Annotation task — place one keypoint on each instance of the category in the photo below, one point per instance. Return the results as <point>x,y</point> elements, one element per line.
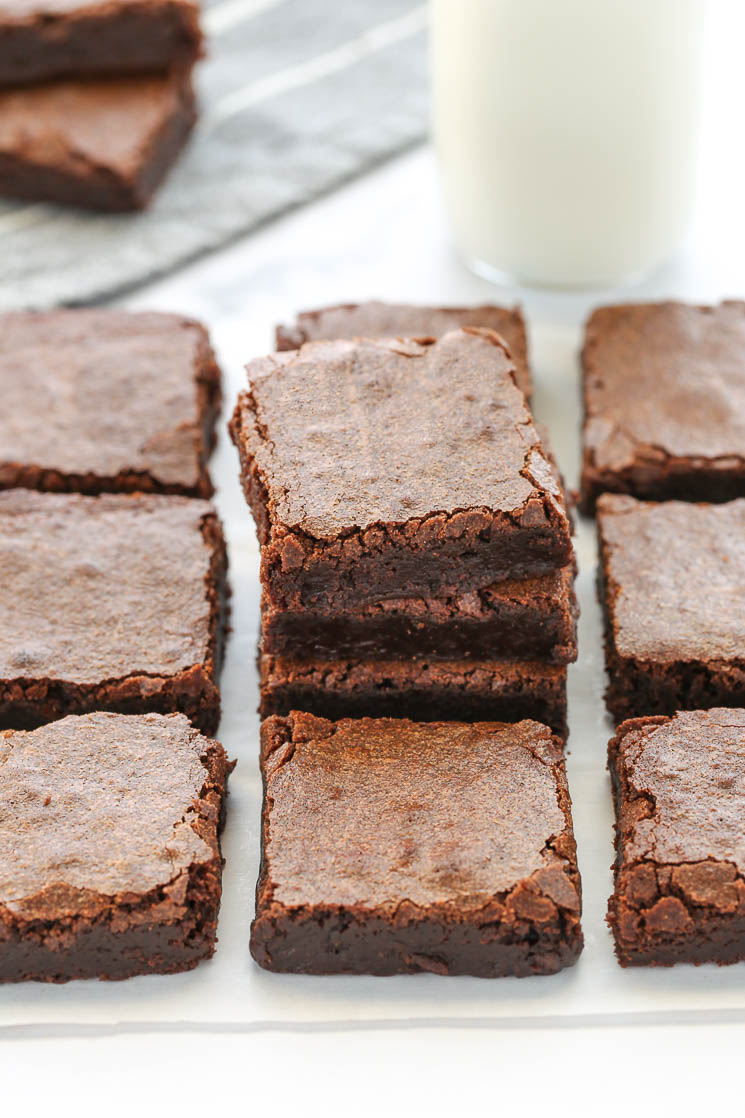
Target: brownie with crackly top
<point>116,602</point>
<point>395,469</point>
<point>679,789</point>
<point>131,402</point>
<point>671,577</point>
<point>664,390</point>
<point>109,847</point>
<point>391,847</point>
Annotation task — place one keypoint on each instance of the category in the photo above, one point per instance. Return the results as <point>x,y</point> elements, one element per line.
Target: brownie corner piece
<point>679,877</point>
<point>100,144</point>
<point>467,865</point>
<point>664,402</point>
<point>123,876</point>
<point>365,502</point>
<point>671,574</point>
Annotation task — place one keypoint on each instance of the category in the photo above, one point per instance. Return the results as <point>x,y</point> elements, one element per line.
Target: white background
<point>385,236</point>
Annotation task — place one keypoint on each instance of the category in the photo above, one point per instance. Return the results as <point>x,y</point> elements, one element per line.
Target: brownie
<point>679,788</point>
<point>104,145</point>
<point>395,469</point>
<point>110,603</point>
<point>109,847</point>
<point>397,320</point>
<point>45,39</point>
<point>466,690</point>
<point>531,619</point>
<point>664,387</point>
<point>131,402</point>
<point>391,846</point>
<point>671,584</point>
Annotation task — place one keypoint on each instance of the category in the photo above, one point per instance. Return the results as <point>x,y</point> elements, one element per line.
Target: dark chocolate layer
<point>529,619</point>
<point>469,690</point>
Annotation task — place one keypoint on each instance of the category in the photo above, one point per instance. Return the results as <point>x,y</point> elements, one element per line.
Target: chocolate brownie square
<point>109,847</point>
<point>45,39</point>
<point>395,469</point>
<point>664,387</point>
<point>131,402</point>
<point>679,788</point>
<point>110,603</point>
<point>464,690</point>
<point>391,846</point>
<point>401,320</point>
<point>104,145</point>
<point>531,619</point>
<point>671,583</point>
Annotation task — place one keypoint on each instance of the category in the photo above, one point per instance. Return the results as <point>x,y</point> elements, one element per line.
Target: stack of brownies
<point>415,546</point>
<point>95,97</point>
<point>113,613</point>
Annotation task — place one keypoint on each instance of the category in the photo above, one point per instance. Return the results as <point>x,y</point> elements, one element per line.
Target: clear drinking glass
<point>565,133</point>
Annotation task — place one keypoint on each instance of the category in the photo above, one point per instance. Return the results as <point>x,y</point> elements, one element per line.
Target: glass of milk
<point>565,133</point>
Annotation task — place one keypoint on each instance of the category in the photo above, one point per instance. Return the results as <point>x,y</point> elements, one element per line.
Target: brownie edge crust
<point>111,863</point>
<point>394,847</point>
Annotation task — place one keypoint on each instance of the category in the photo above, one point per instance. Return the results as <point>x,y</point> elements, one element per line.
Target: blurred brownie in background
<point>131,402</point>
<point>42,40</point>
<point>101,144</point>
<point>401,320</point>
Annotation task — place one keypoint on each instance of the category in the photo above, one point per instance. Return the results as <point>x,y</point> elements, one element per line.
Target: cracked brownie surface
<point>109,850</point>
<point>664,389</point>
<point>671,576</point>
<point>380,469</point>
<point>132,402</point>
<point>391,846</point>
<point>679,787</point>
<point>400,320</point>
<point>112,602</point>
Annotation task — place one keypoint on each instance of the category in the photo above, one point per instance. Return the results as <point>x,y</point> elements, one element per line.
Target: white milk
<point>565,133</point>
